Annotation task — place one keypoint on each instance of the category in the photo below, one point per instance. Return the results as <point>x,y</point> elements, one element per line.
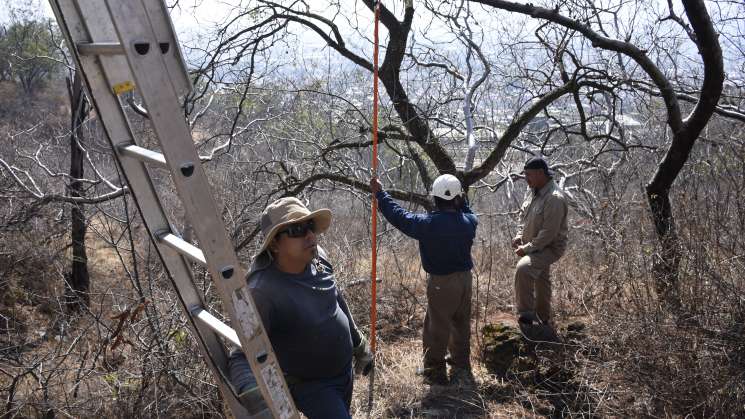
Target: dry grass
<point>635,358</point>
<point>400,393</point>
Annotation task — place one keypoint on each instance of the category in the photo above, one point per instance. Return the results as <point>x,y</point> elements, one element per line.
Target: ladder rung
<point>100,48</point>
<point>215,324</point>
<point>149,156</point>
<point>185,248</point>
<point>144,154</point>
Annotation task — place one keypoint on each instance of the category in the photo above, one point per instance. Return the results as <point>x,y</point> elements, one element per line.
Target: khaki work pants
<point>447,325</point>
<point>533,284</point>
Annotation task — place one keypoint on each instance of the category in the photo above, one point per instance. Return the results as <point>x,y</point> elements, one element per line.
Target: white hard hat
<point>446,187</point>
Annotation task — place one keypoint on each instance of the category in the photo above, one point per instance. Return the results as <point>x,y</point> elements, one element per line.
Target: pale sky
<point>39,8</point>
<point>194,18</point>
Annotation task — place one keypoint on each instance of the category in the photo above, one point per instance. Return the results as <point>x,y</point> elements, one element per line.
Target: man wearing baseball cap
<point>305,316</point>
<point>445,239</point>
<point>540,242</point>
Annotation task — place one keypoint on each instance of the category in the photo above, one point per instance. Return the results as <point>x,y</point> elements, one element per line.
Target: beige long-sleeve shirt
<point>544,221</point>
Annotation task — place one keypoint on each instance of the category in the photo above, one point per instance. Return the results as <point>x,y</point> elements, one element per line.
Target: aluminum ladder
<point>121,46</point>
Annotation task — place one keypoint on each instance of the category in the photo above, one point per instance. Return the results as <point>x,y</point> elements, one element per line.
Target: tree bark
<point>666,267</point>
<point>78,279</point>
<point>390,72</point>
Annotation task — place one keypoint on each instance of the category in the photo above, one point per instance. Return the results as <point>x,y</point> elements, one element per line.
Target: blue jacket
<point>445,237</point>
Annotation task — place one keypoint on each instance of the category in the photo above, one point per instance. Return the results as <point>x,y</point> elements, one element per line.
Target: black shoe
<point>527,320</point>
<point>548,333</point>
<point>528,330</point>
<point>538,333</point>
<point>462,377</point>
<point>434,376</point>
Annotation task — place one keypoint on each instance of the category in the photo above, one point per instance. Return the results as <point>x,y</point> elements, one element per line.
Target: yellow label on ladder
<point>123,87</point>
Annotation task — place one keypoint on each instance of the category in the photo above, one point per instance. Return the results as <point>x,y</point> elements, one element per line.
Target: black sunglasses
<point>299,229</point>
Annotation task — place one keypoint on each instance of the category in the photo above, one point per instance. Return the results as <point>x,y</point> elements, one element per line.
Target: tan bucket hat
<point>289,210</point>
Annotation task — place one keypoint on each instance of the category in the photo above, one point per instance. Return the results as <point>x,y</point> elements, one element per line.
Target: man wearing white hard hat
<point>445,239</point>
<point>305,316</point>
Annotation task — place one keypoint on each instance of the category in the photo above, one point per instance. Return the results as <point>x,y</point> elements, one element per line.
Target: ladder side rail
<point>165,34</point>
<point>94,25</point>
<point>166,117</point>
<point>135,173</point>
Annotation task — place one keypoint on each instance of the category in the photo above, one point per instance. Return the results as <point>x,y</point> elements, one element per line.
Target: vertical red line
<point>373,273</point>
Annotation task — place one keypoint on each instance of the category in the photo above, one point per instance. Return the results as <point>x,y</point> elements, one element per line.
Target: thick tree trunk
<point>668,258</point>
<point>78,280</point>
<point>390,71</point>
<point>667,261</point>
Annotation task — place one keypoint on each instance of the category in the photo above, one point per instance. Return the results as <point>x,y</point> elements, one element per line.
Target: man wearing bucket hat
<point>306,318</point>
<point>445,238</point>
<point>540,242</point>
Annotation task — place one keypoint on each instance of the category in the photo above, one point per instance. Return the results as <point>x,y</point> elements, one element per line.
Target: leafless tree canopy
<point>639,107</point>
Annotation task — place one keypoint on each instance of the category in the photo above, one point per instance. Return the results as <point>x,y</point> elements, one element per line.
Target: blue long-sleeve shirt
<point>445,237</point>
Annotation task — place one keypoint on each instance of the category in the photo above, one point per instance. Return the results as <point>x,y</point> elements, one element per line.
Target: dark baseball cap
<point>537,163</point>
